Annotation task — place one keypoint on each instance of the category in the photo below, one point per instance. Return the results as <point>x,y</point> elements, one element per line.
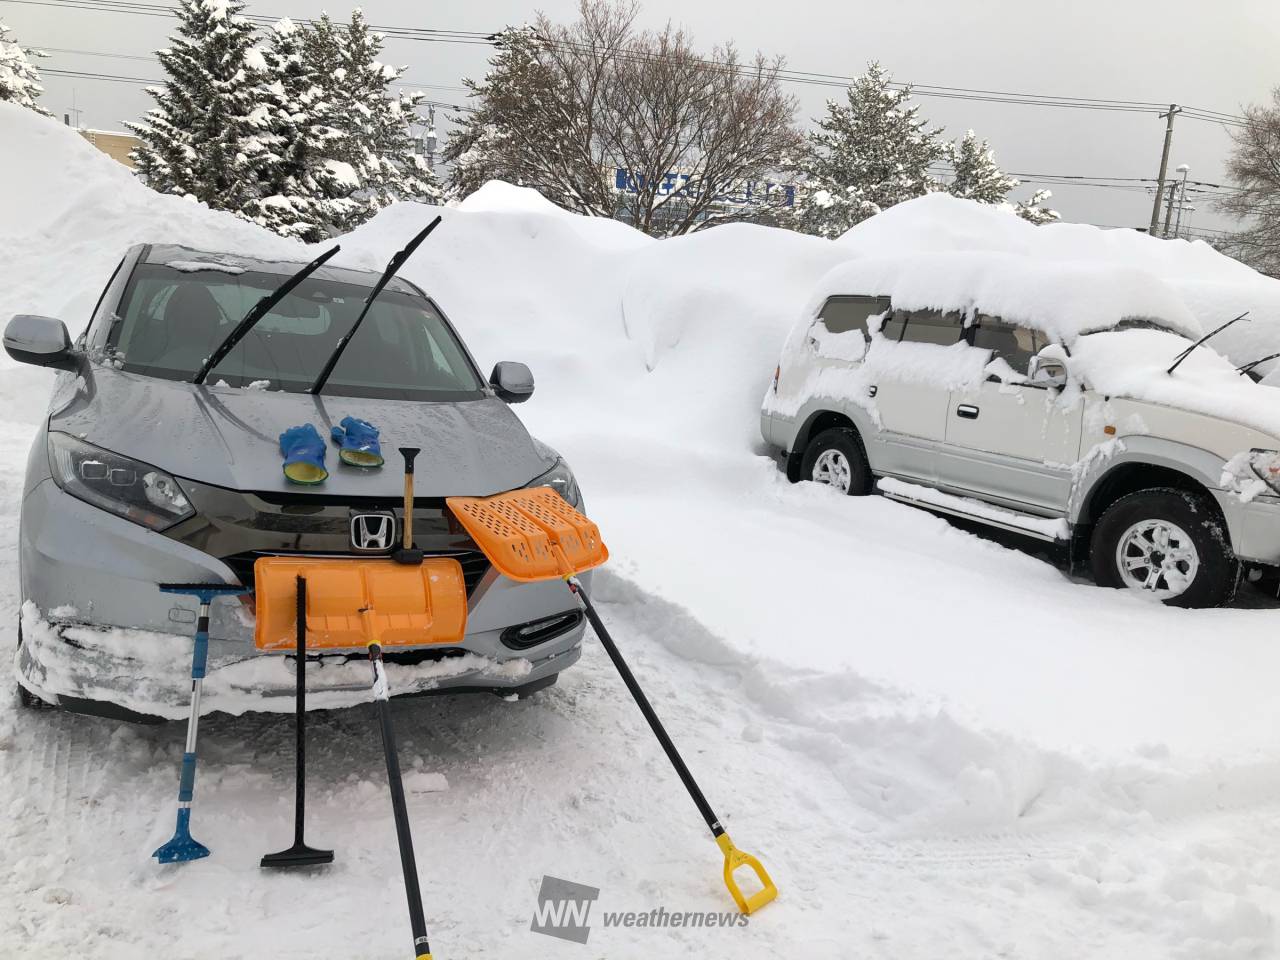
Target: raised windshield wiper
<point>1253,363</point>
<point>393,265</point>
<point>1212,333</point>
<point>257,312</point>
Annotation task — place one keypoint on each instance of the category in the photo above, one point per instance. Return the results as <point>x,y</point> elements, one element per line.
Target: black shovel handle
<point>399,809</point>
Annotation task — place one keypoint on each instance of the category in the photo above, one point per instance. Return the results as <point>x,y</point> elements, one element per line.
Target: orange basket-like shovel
<point>534,534</point>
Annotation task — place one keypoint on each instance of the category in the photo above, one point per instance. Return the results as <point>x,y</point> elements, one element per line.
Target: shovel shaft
<point>300,718</point>
<point>408,511</point>
<point>659,731</point>
<point>399,809</point>
<point>409,454</point>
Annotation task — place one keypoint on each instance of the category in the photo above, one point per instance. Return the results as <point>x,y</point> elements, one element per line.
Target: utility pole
<point>1168,209</point>
<point>1174,109</point>
<point>1183,169</point>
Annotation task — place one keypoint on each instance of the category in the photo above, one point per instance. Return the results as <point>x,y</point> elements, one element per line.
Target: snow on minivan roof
<point>1063,298</point>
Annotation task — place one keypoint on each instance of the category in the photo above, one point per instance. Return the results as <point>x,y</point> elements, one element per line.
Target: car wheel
<point>835,458</point>
<point>26,698</point>
<point>1166,543</point>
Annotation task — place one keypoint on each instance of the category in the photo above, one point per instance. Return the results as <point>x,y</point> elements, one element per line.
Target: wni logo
<point>563,909</point>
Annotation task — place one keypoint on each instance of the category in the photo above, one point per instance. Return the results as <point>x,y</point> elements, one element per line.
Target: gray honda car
<point>152,468</point>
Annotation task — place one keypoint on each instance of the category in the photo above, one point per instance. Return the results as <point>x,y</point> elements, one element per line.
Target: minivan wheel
<point>1168,544</point>
<point>835,457</point>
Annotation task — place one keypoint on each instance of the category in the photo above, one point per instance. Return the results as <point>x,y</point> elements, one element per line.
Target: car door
<point>911,405</point>
<point>1010,440</point>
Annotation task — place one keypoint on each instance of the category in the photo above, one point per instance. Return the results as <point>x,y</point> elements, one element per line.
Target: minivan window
<point>843,314</point>
<point>172,319</point>
<point>924,326</point>
<point>1015,344</point>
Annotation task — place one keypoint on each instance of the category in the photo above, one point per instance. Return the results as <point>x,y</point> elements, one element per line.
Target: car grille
<point>474,564</point>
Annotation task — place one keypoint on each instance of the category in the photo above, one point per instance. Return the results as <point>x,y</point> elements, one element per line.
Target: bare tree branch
<point>566,106</point>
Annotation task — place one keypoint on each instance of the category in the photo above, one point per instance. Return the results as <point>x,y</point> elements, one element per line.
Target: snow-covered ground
<point>938,745</point>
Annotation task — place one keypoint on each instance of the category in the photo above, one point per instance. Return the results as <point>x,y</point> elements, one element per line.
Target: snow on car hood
<point>229,437</point>
<point>1133,364</point>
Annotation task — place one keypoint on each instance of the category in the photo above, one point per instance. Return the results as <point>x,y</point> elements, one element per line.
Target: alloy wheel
<point>832,468</point>
<point>1157,557</point>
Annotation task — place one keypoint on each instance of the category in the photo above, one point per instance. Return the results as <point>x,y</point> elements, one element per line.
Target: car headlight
<point>560,479</point>
<point>1265,465</point>
<point>127,488</point>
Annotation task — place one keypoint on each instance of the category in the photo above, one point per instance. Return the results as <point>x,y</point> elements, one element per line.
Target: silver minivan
<point>140,475</point>
<point>1155,461</point>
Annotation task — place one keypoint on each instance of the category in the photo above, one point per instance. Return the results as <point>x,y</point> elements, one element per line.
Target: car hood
<point>229,437</point>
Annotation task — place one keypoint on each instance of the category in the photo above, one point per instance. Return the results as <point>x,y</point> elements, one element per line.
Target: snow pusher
<point>533,534</point>
<point>183,846</point>
<point>405,600</point>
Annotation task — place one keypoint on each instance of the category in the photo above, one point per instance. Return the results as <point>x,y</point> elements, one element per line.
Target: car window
<point>843,314</point>
<point>924,326</point>
<point>1013,343</point>
<point>173,319</point>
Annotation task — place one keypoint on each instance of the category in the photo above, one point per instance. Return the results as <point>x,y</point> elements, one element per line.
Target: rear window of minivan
<point>844,314</point>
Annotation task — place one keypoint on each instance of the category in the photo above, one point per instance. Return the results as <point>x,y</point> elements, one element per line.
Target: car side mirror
<point>1047,372</point>
<point>513,382</point>
<point>42,341</point>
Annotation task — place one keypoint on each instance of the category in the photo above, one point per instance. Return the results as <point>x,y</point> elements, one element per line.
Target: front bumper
<point>96,629</point>
<point>1254,528</point>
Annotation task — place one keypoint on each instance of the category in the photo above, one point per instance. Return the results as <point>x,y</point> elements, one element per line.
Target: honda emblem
<point>372,532</point>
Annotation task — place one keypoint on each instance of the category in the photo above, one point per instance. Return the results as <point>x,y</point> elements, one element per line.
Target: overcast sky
<point>1213,56</point>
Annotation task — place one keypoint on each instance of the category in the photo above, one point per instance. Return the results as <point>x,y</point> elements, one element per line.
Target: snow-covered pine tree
<point>866,155</point>
<point>1033,209</point>
<point>193,140</point>
<point>19,79</point>
<point>300,190</point>
<point>976,175</point>
<point>375,150</point>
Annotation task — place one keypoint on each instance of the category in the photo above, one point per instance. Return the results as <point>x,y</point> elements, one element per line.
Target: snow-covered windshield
<point>172,319</point>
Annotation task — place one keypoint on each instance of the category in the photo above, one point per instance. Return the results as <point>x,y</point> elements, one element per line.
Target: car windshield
<point>172,319</point>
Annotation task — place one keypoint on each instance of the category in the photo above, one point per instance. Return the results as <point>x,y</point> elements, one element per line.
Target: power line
<point>804,77</point>
<point>928,90</point>
<point>151,59</point>
<point>425,34</point>
<point>143,81</point>
<point>91,53</point>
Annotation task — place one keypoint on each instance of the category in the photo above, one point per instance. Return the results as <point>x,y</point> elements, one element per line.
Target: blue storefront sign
<point>740,193</point>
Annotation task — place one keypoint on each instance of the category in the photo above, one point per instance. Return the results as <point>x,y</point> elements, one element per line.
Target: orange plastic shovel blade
<point>412,605</point>
<point>531,534</point>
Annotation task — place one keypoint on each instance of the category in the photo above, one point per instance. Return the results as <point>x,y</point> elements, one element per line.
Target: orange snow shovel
<point>534,534</point>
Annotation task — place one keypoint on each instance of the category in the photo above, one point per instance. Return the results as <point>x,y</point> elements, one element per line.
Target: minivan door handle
<point>968,411</point>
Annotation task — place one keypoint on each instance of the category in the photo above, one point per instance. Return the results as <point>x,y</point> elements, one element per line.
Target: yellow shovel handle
<point>733,860</point>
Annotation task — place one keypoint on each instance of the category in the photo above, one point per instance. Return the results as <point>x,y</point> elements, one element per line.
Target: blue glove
<point>303,450</point>
<point>358,443</point>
